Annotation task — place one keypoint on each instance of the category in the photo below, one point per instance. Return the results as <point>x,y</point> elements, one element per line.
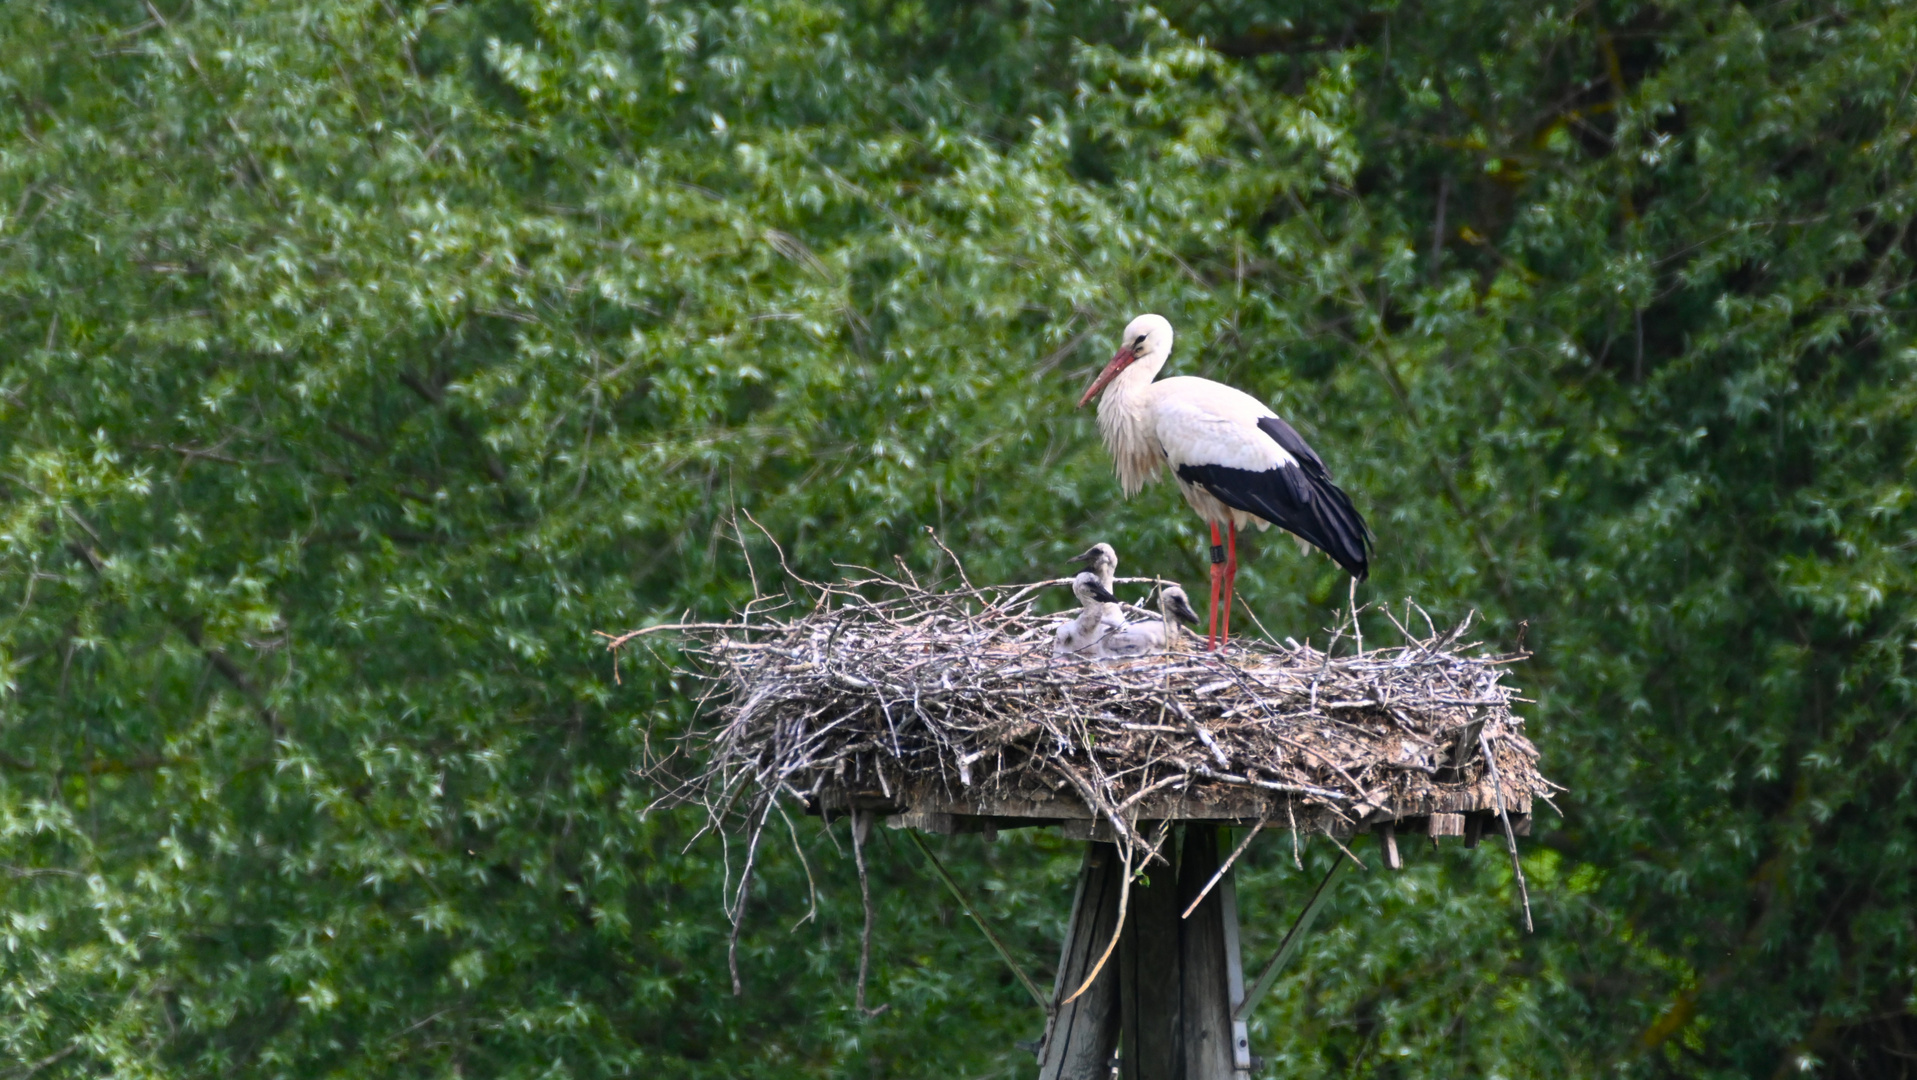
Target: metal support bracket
<point>1234,975</point>
<point>1004,953</point>
<point>1288,947</point>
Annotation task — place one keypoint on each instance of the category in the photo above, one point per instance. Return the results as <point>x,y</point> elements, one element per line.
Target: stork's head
<point>1148,337</point>
<point>1098,558</point>
<point>1086,587</point>
<point>1174,604</point>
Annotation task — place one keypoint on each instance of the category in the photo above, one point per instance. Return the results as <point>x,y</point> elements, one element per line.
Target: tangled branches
<point>882,696</point>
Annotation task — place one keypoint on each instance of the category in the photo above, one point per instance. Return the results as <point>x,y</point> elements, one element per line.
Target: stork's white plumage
<point>1237,462</point>
<point>1081,635</point>
<point>1148,637</point>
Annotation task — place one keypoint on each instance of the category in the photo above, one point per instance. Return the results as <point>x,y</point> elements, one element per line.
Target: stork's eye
<point>1140,340</point>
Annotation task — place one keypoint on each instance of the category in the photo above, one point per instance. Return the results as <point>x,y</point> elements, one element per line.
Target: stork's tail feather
<point>1346,537</point>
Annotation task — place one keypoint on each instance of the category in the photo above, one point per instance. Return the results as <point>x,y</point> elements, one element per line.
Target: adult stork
<point>1237,462</point>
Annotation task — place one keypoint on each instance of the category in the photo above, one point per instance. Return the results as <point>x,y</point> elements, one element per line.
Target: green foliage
<point>361,358</point>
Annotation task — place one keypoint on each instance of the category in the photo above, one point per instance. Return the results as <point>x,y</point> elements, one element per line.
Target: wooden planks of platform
<point>1466,812</point>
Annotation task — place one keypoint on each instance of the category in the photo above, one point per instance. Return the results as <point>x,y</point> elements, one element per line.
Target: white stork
<point>1236,461</point>
<point>1102,559</point>
<point>1148,637</point>
<point>1080,636</point>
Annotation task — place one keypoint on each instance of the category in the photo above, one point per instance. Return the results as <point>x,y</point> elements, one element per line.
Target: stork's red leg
<point>1231,577</point>
<point>1217,579</point>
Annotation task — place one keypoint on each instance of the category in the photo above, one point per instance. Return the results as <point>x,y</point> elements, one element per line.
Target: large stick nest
<point>883,693</point>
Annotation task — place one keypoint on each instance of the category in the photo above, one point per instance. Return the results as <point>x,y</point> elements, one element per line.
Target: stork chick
<point>1080,636</point>
<point>1149,637</point>
<point>1102,559</point>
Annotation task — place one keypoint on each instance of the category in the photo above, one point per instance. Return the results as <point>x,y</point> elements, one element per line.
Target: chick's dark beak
<point>1099,594</point>
<point>1181,610</point>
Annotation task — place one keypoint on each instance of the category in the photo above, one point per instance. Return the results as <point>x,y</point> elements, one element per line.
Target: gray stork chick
<point>1152,636</point>
<point>1102,559</point>
<point>1080,636</point>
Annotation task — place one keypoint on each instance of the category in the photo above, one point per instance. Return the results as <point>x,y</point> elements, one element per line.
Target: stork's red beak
<point>1120,362</point>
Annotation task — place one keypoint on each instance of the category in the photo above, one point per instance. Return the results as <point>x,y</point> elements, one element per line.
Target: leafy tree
<point>361,358</point>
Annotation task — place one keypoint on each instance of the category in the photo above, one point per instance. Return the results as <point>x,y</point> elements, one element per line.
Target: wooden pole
<point>1204,968</point>
<point>1081,1034</point>
<point>1179,974</point>
<point>1149,991</point>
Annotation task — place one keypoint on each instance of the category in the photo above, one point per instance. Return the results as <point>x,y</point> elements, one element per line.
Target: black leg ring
<point>1217,553</point>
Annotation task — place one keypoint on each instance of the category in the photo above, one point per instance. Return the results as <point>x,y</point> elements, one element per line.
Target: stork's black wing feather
<point>1301,499</point>
<point>1294,444</point>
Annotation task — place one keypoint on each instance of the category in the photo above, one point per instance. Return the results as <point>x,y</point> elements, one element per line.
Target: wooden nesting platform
<point>946,712</point>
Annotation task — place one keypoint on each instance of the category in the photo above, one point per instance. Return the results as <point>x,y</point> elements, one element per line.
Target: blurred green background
<point>360,357</point>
